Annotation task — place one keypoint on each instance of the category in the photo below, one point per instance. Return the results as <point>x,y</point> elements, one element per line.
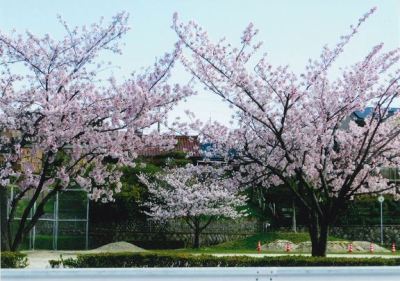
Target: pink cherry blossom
<point>297,130</point>
<point>71,123</point>
<point>198,194</point>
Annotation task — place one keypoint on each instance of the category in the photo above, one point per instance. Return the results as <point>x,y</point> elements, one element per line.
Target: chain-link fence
<point>64,226</point>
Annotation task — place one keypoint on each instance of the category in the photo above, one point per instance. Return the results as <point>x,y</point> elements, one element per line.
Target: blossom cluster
<point>193,192</point>
<point>54,102</point>
<point>299,128</point>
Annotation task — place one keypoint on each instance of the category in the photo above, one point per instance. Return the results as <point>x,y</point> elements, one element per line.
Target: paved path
<point>40,259</point>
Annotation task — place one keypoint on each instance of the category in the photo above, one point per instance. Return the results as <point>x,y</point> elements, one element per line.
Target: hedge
<point>13,260</point>
<point>186,260</point>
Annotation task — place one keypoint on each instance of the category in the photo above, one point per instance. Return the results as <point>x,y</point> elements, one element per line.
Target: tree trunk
<point>318,229</point>
<point>195,225</point>
<point>197,231</point>
<point>294,224</point>
<point>25,227</point>
<point>5,246</point>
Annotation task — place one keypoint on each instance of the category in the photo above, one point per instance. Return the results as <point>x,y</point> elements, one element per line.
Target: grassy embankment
<point>249,244</point>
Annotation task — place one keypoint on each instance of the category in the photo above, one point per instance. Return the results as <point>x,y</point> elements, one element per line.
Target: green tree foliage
<point>274,206</point>
<point>127,204</point>
<point>365,210</point>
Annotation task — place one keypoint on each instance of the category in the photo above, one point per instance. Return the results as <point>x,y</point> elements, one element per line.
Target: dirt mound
<point>278,246</point>
<point>364,245</point>
<point>121,246</point>
<point>332,247</point>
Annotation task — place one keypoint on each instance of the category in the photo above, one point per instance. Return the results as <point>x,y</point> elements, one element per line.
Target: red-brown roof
<point>187,144</point>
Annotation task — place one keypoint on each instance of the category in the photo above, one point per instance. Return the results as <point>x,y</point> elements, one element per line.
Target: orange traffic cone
<point>287,247</point>
<point>259,247</point>
<point>350,248</point>
<point>371,248</point>
<point>393,247</point>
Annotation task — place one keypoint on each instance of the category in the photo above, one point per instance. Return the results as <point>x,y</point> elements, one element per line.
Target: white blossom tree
<point>296,130</point>
<point>56,109</point>
<point>197,194</point>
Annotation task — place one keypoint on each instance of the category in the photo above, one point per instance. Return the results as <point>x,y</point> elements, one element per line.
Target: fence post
<point>34,229</point>
<point>55,224</point>
<point>87,224</point>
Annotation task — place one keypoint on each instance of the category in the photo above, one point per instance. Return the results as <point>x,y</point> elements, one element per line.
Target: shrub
<point>186,260</point>
<point>13,260</point>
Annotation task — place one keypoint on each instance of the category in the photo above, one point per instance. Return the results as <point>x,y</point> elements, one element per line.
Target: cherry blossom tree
<point>63,125</point>
<point>297,130</point>
<point>197,194</point>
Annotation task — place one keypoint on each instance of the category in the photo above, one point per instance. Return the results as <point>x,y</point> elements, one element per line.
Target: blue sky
<point>292,31</point>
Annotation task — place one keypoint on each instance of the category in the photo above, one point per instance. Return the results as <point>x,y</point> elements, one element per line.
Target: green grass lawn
<point>249,244</point>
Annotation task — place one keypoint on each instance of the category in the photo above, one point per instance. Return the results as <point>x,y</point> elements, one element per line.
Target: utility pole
<point>381,199</point>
